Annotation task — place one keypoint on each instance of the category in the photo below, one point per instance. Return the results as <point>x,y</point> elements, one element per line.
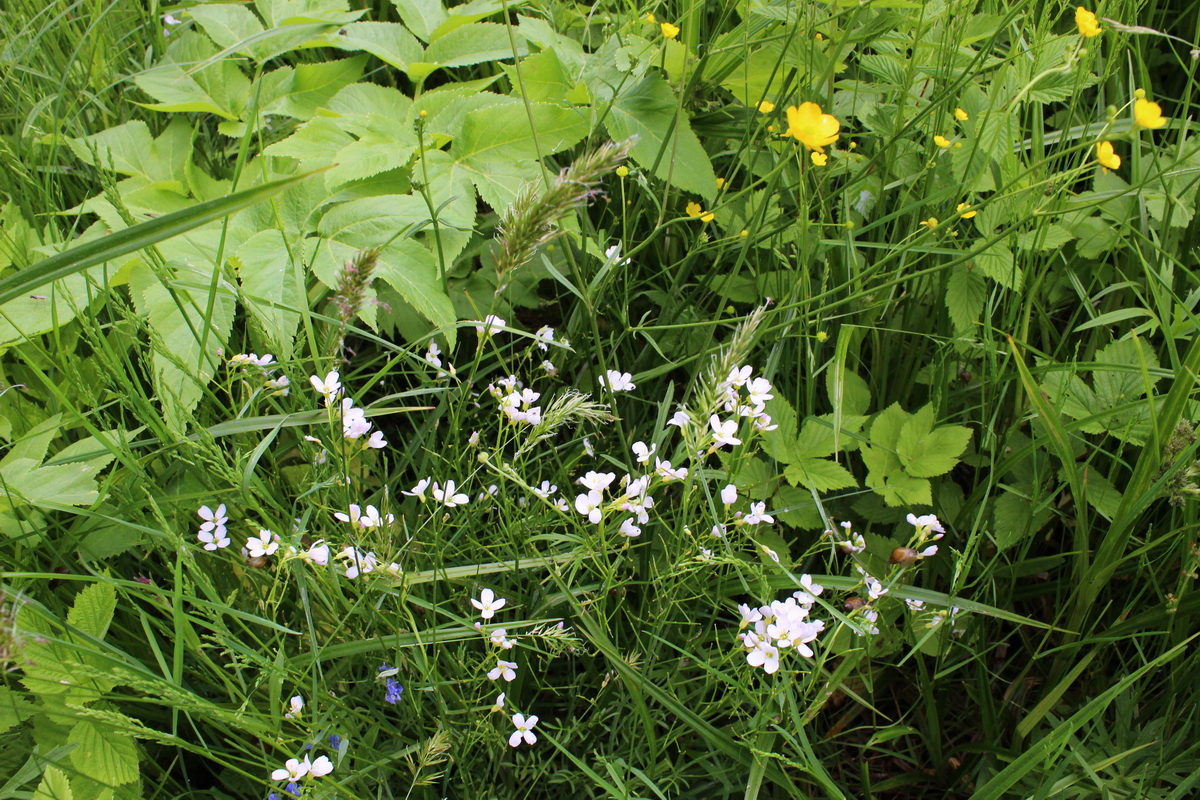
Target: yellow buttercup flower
<point>930,223</point>
<point>812,127</point>
<point>694,209</point>
<point>708,217</point>
<point>960,115</point>
<point>1087,23</point>
<point>1148,114</point>
<point>670,31</point>
<point>1106,156</point>
<point>820,159</point>
<point>650,18</point>
<point>965,211</point>
<point>941,141</point>
<point>720,183</point>
<point>766,107</point>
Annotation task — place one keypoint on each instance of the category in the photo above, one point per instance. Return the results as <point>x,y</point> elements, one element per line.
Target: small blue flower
<point>293,789</point>
<point>394,690</point>
<point>335,741</point>
<point>274,796</point>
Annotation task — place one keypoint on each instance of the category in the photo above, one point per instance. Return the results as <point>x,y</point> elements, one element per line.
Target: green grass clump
<point>691,401</point>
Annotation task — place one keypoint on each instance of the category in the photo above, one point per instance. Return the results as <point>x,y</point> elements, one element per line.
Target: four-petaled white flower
<point>295,706</point>
<point>293,770</point>
<point>729,494</point>
<point>629,529</point>
<point>680,419</point>
<point>597,481</point>
<point>669,473</point>
<point>490,324</point>
<point>499,704</point>
<point>213,539</point>
<point>265,544</point>
<point>500,639</point>
<point>613,254</point>
<point>329,388</point>
<point>724,433</point>
<point>447,496</point>
<point>764,655</point>
<point>543,337</point>
<point>358,562</point>
<point>433,353</point>
<point>524,730</point>
<point>617,381</point>
<point>589,505</point>
<point>507,669</point>
<point>321,766</point>
<point>212,519</point>
<point>418,491</point>
<point>758,513</point>
<point>317,554</point>
<point>488,604</point>
<point>642,452</point>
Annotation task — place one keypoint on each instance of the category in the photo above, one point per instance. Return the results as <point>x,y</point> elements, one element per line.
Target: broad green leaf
<point>229,25</point>
<point>103,754</point>
<point>780,442</point>
<point>966,292</point>
<point>265,267</point>
<point>64,484</point>
<point>54,786</point>
<point>390,42</point>
<point>1044,238</point>
<point>93,610</point>
<point>997,263</point>
<point>900,490</point>
<point>278,13</point>
<point>316,143</point>
<point>542,78</point>
<point>185,357</point>
<point>371,221</point>
<point>310,86</point>
<point>422,17</point>
<point>219,88</point>
<point>925,451</point>
<point>887,425</point>
<point>135,238</point>
<point>471,44</point>
<point>504,132</point>
<point>819,474</point>
<point>34,443</point>
<point>665,138</point>
<point>14,709</point>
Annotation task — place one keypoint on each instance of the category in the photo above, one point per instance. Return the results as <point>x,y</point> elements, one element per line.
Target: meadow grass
<point>952,309</point>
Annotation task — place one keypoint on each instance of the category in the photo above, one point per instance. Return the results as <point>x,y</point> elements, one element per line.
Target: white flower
<point>629,529</point>
<point>545,490</point>
<point>252,359</point>
<point>597,481</point>
<point>613,254</point>
<point>280,385</point>
<point>771,554</point>
<point>490,324</point>
<point>358,562</point>
<point>433,353</point>
<point>758,513</point>
<point>929,551</point>
<point>925,523</point>
<point>293,770</point>
<point>317,554</point>
<point>500,639</point>
<point>295,705</point>
<point>214,539</point>
<point>212,519</point>
<point>718,530</point>
<point>473,439</point>
<point>724,432</point>
<point>680,419</point>
<point>808,595</point>
<point>738,376</point>
<point>589,505</point>
<point>371,518</point>
<point>353,517</point>
<point>759,390</point>
<point>617,381</point>
<point>321,767</point>
<point>488,604</point>
<point>448,497</point>
<point>377,441</point>
<point>729,494</point>
<point>587,447</point>
<point>642,452</point>
<point>915,605</point>
<point>749,615</point>
<point>418,491</point>
<point>507,669</point>
<point>499,704</point>
<point>329,388</point>
<point>669,473</point>
<point>551,370</point>
<point>265,544</point>
<point>524,730</point>
<point>764,655</point>
<point>543,337</point>
<point>171,20</point>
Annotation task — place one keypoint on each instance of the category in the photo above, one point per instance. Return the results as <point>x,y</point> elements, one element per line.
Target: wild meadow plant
<point>507,400</point>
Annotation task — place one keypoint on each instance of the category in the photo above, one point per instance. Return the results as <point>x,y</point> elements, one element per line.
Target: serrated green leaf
<point>885,428</point>
<point>228,26</point>
<point>474,43</point>
<point>270,287</point>
<point>819,475</point>
<point>308,87</point>
<point>997,263</point>
<point>48,487</point>
<point>390,42</point>
<point>779,444</point>
<point>650,111</point>
<point>966,292</point>
<point>316,143</point>
<point>795,507</point>
<point>14,709</point>
<point>93,610</point>
<point>54,786</point>
<point>219,88</point>
<point>422,17</point>
<point>847,391</point>
<point>925,451</point>
<point>103,754</point>
<point>1044,238</point>
<point>279,13</point>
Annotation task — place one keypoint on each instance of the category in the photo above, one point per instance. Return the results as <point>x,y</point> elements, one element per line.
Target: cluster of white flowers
<point>780,626</point>
<point>280,385</point>
<point>212,530</point>
<point>617,381</point>
<point>516,402</point>
<point>634,498</point>
<point>354,420</point>
<point>487,604</point>
<point>370,518</point>
<point>294,769</point>
<point>489,325</point>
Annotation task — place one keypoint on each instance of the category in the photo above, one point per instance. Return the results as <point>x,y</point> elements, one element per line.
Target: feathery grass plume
<point>351,292</point>
<point>529,222</point>
<point>568,407</point>
<point>435,751</point>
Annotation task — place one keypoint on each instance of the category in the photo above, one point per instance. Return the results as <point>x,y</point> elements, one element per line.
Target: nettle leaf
<point>54,786</point>
<point>819,475</point>
<point>926,451</point>
<point>182,367</point>
<point>219,88</point>
<point>665,137</point>
<point>390,42</point>
<point>474,43</point>
<point>269,276</point>
<point>422,17</point>
<point>14,709</point>
<point>997,263</point>
<point>93,609</point>
<point>103,754</point>
<point>966,293</point>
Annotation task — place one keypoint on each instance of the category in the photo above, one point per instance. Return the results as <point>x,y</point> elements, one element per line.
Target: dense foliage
<point>755,399</point>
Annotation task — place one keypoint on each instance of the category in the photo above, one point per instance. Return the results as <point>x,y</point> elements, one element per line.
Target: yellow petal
<point>670,31</point>
<point>941,141</point>
<point>1087,23</point>
<point>1148,114</point>
<point>766,107</point>
<point>1106,156</point>
<point>694,209</point>
<point>960,115</point>
<point>811,126</point>
<point>820,159</point>
<point>964,210</point>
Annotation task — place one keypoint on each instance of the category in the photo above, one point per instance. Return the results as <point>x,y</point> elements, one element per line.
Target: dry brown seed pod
<point>905,556</point>
<point>854,603</point>
<point>258,562</point>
